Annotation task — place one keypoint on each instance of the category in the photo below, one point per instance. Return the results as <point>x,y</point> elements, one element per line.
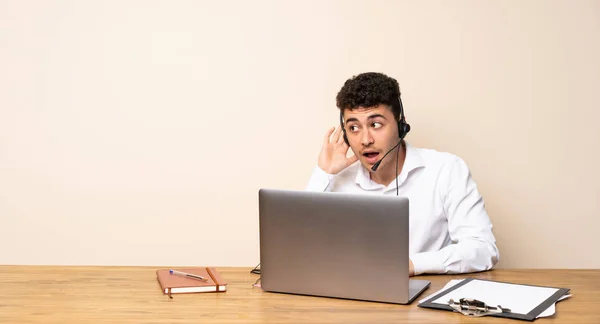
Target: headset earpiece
<point>403,128</point>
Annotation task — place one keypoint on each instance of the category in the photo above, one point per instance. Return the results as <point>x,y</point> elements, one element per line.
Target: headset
<point>403,126</point>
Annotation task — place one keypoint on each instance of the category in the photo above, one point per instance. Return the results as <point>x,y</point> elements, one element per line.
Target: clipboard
<point>523,302</point>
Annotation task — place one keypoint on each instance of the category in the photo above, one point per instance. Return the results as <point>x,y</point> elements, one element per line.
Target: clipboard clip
<point>475,308</point>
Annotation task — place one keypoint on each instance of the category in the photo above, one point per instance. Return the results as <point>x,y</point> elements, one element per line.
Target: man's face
<point>371,132</point>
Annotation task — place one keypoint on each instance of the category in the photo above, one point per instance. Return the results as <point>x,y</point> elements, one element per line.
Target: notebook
<point>177,284</point>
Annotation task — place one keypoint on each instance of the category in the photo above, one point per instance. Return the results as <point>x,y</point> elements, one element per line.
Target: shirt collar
<point>412,161</point>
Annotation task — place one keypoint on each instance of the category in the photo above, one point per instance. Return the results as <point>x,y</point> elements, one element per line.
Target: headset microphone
<point>376,165</point>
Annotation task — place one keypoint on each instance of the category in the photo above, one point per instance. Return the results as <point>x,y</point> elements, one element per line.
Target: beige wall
<point>138,132</point>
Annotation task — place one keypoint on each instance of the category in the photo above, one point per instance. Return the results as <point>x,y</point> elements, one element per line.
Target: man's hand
<point>332,158</point>
<point>411,269</point>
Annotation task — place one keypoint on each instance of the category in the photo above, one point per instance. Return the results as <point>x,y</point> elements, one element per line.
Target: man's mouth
<point>371,157</point>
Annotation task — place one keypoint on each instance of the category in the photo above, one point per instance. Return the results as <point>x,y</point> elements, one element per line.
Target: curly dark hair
<point>368,90</point>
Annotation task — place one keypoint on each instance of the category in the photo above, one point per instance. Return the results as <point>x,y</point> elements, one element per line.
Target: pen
<point>189,275</point>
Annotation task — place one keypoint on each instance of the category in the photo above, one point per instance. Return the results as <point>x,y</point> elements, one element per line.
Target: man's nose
<point>366,139</point>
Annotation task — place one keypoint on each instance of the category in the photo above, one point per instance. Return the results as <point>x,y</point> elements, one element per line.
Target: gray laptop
<point>336,245</point>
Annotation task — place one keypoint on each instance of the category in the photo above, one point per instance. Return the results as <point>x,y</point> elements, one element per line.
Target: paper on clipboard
<point>536,294</point>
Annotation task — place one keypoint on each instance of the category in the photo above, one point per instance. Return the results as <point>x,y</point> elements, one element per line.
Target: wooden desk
<point>40,294</point>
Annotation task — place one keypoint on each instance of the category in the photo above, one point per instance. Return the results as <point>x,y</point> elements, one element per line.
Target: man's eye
<point>377,125</point>
<point>353,128</point>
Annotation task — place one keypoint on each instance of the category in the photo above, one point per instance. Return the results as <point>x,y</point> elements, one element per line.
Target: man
<point>450,231</point>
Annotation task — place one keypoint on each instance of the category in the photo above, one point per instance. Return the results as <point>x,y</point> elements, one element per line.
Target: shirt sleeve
<point>319,180</point>
<point>473,245</point>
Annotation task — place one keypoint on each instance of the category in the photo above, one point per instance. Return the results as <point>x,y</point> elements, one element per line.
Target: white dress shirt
<point>450,231</point>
